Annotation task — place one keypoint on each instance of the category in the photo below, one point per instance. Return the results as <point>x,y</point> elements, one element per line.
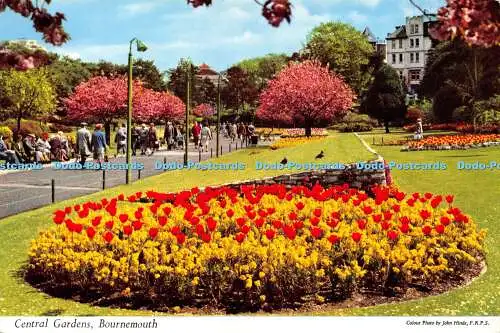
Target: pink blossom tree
<point>151,106</point>
<point>204,110</point>
<point>307,94</point>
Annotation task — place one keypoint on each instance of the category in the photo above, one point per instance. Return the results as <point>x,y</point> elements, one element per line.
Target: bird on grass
<point>284,161</point>
<point>320,155</point>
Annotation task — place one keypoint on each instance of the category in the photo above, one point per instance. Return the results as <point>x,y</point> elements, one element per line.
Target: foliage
<point>5,132</point>
<point>20,56</point>
<point>204,110</point>
<point>299,132</point>
<point>152,106</point>
<point>414,113</point>
<point>27,127</point>
<point>239,90</point>
<point>305,94</point>
<point>263,69</point>
<point>225,248</point>
<point>455,141</point>
<point>355,122</point>
<point>458,75</point>
<point>477,22</point>
<point>177,80</point>
<point>385,99</point>
<point>295,140</point>
<point>27,93</point>
<point>344,49</point>
<point>485,112</point>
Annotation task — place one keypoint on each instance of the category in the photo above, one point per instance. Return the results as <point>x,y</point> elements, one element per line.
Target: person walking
<point>169,135</point>
<point>206,137</point>
<point>83,140</point>
<point>121,140</point>
<point>143,139</point>
<point>153,143</point>
<point>98,144</point>
<point>196,131</point>
<point>234,131</point>
<point>179,137</point>
<point>135,140</point>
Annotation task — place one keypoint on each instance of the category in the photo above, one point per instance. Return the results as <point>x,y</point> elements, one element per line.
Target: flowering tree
<point>305,93</point>
<point>204,110</point>
<point>99,100</point>
<point>151,106</point>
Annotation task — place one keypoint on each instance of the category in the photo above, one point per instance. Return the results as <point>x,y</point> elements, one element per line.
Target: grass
<point>16,232</point>
<point>476,192</point>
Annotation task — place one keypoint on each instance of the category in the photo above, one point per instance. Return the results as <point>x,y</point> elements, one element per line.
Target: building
<point>378,44</point>
<point>408,47</point>
<point>205,72</point>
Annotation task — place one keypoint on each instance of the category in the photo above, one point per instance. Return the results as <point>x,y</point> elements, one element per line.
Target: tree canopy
<point>262,69</point>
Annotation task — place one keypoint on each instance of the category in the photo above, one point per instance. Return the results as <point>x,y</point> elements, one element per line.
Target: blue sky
<point>220,35</point>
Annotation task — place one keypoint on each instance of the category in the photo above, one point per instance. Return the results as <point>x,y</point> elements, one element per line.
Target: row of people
<point>241,131</point>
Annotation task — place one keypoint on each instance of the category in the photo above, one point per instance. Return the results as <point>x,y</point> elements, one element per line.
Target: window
<point>411,29</point>
<point>400,43</point>
<point>411,57</point>
<point>411,42</point>
<point>393,44</point>
<point>416,28</point>
<point>414,75</point>
<point>417,42</point>
<point>401,57</point>
<point>393,58</point>
<point>417,55</point>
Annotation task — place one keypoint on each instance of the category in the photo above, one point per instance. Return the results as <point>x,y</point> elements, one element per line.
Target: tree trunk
<point>308,127</point>
<point>386,125</point>
<point>107,131</point>
<point>19,123</point>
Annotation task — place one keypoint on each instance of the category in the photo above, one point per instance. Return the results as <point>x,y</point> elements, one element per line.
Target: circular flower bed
<point>292,142</point>
<point>449,142</point>
<point>299,132</point>
<point>260,247</point>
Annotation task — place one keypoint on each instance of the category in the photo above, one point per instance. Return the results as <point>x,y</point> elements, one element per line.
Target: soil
<point>362,298</point>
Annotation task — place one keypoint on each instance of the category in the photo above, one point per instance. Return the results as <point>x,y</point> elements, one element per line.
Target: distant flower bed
<point>448,142</point>
<point>268,131</point>
<point>294,141</point>
<point>298,132</point>
<point>460,127</point>
<point>264,246</point>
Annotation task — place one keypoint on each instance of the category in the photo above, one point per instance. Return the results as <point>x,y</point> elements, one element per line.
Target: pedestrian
<point>135,140</point>
<point>18,148</point>
<point>83,140</point>
<point>98,144</point>
<point>196,131</point>
<point>153,142</point>
<point>179,137</point>
<point>419,133</point>
<point>234,132</point>
<point>206,137</point>
<point>121,140</point>
<point>169,135</point>
<point>56,148</point>
<point>143,139</point>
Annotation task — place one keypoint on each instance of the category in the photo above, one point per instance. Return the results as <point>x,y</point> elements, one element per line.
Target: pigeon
<point>284,161</point>
<point>320,155</point>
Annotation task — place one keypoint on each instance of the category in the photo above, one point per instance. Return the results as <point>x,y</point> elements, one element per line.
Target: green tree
<point>262,69</point>
<point>239,90</point>
<point>459,75</point>
<point>65,74</point>
<point>177,80</point>
<point>27,93</point>
<point>344,49</point>
<point>385,99</point>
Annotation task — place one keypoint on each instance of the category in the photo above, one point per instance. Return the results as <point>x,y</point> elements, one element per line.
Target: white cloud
<point>132,9</point>
<point>357,17</point>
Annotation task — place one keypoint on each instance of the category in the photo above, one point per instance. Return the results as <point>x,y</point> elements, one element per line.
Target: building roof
<point>205,70</point>
<point>369,35</point>
<point>400,32</point>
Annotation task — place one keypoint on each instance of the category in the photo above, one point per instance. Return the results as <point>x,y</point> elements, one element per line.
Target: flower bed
<point>460,127</point>
<point>260,247</point>
<point>292,142</point>
<point>300,132</point>
<point>448,142</point>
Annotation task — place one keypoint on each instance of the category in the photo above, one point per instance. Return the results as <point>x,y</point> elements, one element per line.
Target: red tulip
<point>96,221</point>
<point>175,230</point>
<point>138,215</point>
<point>245,229</point>
<point>445,220</point>
<point>428,195</point>
<point>67,210</point>
<point>206,238</point>
<point>298,225</point>
<point>290,231</point>
<point>333,222</point>
<point>449,198</point>
<point>400,196</point>
<point>194,220</point>
<point>289,197</point>
<point>377,218</point>
<point>77,208</point>
<point>77,227</point>
<point>314,220</point>
<point>230,213</point>
<point>131,198</point>
<point>392,235</point>
<point>211,224</point>
<point>396,208</point>
<point>259,222</point>
<point>240,221</point>
<point>251,215</point>
<point>335,215</point>
<point>292,216</point>
<point>385,225</point>
<point>137,225</point>
<point>91,232</point>
<point>240,237</point>
<point>59,217</point>
<point>333,238</point>
<point>109,224</point>
<point>425,214</point>
<point>127,230</point>
<point>108,236</point>
<point>367,210</point>
<point>316,232</point>
<point>123,218</point>
<point>439,228</point>
<point>387,215</point>
<point>162,220</point>
<point>153,232</point>
<point>277,224</point>
<point>271,210</point>
<point>317,212</point>
<point>270,233</point>
<point>262,213</point>
<point>222,203</point>
<point>167,210</point>
<point>404,228</point>
<point>426,230</point>
<point>121,197</point>
<point>181,238</point>
<point>356,236</point>
<point>361,224</point>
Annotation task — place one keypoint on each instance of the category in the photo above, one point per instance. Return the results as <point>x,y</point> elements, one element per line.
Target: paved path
<point>26,190</point>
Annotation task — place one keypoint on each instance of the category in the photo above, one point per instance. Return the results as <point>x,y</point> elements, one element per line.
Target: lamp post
<point>219,109</point>
<point>188,102</point>
<point>141,47</point>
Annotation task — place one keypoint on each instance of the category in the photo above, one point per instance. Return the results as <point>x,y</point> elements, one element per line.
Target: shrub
<point>27,127</point>
<point>414,113</point>
<point>264,246</point>
<point>56,127</point>
<point>355,122</point>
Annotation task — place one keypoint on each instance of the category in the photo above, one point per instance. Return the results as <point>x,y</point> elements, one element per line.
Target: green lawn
<point>18,298</point>
<point>476,192</point>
